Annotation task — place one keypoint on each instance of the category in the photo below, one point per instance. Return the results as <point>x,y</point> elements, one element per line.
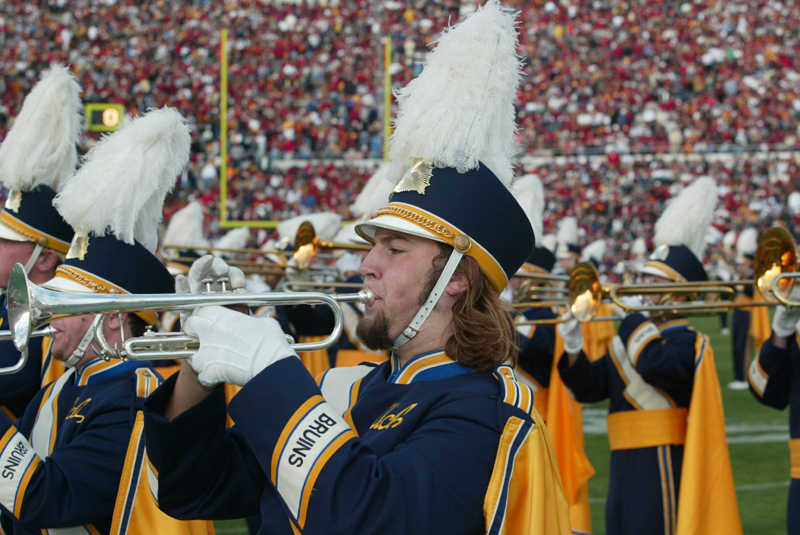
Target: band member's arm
<point>587,380</point>
<point>200,455</point>
<point>302,444</point>
<point>770,373</point>
<point>662,363</point>
<point>77,483</point>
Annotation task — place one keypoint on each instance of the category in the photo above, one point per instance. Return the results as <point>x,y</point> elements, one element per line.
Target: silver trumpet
<point>31,306</point>
<point>23,359</point>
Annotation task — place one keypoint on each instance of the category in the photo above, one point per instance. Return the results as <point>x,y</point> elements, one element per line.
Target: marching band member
<point>774,377</point>
<point>665,424</point>
<point>77,432</point>
<point>540,349</point>
<point>376,442</point>
<point>750,325</point>
<point>36,158</point>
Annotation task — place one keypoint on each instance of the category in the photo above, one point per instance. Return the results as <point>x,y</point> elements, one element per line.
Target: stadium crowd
<point>306,82</point>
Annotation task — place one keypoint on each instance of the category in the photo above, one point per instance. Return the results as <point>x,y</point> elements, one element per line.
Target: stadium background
<point>621,102</point>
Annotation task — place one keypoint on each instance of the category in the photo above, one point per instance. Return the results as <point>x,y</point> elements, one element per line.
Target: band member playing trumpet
<point>64,459</point>
<point>38,155</point>
<point>439,439</point>
<point>665,423</point>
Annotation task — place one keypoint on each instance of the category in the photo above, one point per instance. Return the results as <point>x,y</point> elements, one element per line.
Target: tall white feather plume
<point>550,242</point>
<point>747,242</point>
<point>729,239</point>
<point>460,109</point>
<point>639,247</point>
<point>40,149</point>
<point>687,216</point>
<point>529,192</point>
<point>375,194</point>
<point>233,239</point>
<point>347,234</point>
<point>568,231</point>
<point>596,249</point>
<point>186,227</point>
<point>326,225</point>
<point>121,187</point>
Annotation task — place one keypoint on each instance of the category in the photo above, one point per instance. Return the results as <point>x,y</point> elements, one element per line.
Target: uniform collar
<point>98,370</point>
<point>673,325</point>
<point>430,366</point>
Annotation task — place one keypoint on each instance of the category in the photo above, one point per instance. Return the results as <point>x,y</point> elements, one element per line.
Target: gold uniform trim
<point>31,234</point>
<point>794,448</point>
<point>629,430</point>
<point>100,286</point>
<point>449,233</point>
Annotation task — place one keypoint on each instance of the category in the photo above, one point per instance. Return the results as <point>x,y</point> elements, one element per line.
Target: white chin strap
<point>424,311</point>
<point>77,355</point>
<point>34,257</point>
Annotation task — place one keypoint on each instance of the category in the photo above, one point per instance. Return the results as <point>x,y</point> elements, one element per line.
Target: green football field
<point>757,437</point>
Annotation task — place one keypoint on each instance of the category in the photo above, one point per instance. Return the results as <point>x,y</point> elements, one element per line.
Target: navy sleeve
<point>51,493</point>
<point>17,389</point>
<point>588,381</point>
<point>663,363</point>
<point>229,484</point>
<point>770,374</point>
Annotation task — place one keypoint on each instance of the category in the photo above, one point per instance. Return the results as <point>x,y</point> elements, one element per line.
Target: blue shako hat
<point>675,262</point>
<point>541,258</point>
<point>114,203</point>
<point>452,148</point>
<point>31,216</point>
<point>473,208</point>
<point>680,234</point>
<point>37,156</point>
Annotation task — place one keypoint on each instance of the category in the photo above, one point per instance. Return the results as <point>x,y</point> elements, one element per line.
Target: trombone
<point>31,306</point>
<point>307,245</point>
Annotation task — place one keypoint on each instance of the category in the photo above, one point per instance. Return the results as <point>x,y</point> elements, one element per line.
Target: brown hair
<point>483,324</point>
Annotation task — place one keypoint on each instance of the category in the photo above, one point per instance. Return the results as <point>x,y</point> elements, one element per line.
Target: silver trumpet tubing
<point>6,335</point>
<point>31,306</point>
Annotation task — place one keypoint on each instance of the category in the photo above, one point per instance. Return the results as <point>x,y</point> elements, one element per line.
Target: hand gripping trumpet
<point>30,307</point>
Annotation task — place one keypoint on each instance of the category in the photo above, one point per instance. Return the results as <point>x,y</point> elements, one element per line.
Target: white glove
<point>234,348</point>
<point>204,268</point>
<point>571,333</point>
<point>631,301</point>
<point>784,322</point>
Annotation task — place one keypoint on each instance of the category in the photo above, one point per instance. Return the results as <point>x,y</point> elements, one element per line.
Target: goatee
<point>374,333</point>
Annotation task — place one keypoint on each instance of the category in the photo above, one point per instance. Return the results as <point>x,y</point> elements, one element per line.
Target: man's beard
<point>374,333</point>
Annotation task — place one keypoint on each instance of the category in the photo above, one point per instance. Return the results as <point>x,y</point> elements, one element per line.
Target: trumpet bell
<point>776,255</point>
<point>585,292</point>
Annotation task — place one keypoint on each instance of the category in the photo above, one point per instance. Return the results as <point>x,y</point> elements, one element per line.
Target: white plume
<point>347,234</point>
<point>529,192</point>
<point>121,187</point>
<point>40,149</point>
<point>186,227</point>
<point>687,216</point>
<point>794,202</point>
<point>639,247</point>
<point>326,225</point>
<point>375,194</point>
<point>596,249</point>
<point>233,239</point>
<point>747,242</point>
<point>460,110</point>
<point>729,239</point>
<point>568,231</point>
<point>549,242</point>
